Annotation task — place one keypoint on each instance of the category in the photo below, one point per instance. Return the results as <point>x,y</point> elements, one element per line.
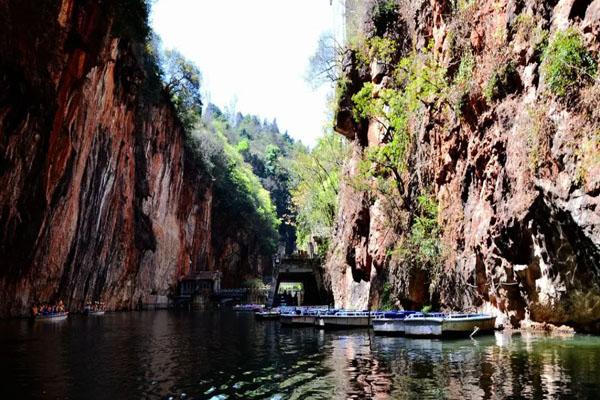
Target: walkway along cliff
<point>98,199</point>
<point>474,180</point>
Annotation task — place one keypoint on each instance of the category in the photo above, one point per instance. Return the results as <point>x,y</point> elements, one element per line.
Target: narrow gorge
<point>470,181</point>
<point>292,199</point>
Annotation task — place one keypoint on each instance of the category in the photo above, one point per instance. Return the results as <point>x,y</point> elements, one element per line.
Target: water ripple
<point>211,355</point>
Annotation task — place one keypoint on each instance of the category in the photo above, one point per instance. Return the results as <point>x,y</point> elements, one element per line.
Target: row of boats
<point>407,323</point>
<point>90,310</point>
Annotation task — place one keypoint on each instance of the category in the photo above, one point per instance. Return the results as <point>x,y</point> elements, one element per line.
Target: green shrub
<point>423,247</point>
<point>386,303</point>
<point>365,105</point>
<point>503,81</point>
<point>567,64</point>
<point>384,16</point>
<point>465,70</point>
<point>383,49</point>
<point>463,81</point>
<point>341,90</point>
<point>420,81</point>
<point>527,28</point>
<point>463,5</point>
<point>589,154</point>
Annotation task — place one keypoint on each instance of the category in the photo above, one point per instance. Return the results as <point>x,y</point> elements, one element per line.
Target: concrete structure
<point>197,288</point>
<point>302,268</point>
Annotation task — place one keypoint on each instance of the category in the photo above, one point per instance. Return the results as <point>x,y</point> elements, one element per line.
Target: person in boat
<point>61,306</point>
<point>34,310</point>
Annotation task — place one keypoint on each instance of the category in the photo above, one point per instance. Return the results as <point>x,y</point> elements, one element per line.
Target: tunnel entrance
<point>298,280</point>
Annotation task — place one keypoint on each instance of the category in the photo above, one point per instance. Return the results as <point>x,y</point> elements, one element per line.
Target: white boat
<point>52,317</point>
<point>267,314</point>
<point>301,316</point>
<point>344,319</point>
<point>249,307</point>
<point>390,323</point>
<point>97,308</point>
<point>467,324</point>
<point>440,324</point>
<point>293,319</point>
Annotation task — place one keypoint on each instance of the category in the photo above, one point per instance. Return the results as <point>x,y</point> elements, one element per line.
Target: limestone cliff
<point>513,168</point>
<point>98,200</point>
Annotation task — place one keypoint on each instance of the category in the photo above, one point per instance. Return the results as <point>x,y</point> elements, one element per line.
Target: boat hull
<point>298,320</point>
<point>449,326</point>
<point>97,313</point>
<point>466,326</point>
<point>342,321</point>
<point>267,316</point>
<point>52,318</point>
<point>423,327</point>
<point>388,326</point>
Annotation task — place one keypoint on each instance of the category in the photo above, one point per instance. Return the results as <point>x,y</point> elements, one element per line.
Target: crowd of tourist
<point>47,308</point>
<point>94,307</point>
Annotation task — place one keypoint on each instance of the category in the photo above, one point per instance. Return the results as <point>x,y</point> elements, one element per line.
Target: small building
<point>200,281</point>
<point>197,287</point>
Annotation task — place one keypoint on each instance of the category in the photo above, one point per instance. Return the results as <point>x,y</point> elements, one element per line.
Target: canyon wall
<point>98,198</point>
<point>516,175</point>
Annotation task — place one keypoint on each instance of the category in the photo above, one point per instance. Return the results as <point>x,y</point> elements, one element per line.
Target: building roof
<point>202,275</point>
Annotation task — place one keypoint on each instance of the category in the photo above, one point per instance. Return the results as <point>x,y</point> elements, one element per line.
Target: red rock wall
<point>521,240</point>
<point>97,200</point>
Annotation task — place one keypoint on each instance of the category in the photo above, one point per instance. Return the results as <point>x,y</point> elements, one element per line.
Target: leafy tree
<point>423,249</point>
<point>420,81</point>
<point>241,204</point>
<point>131,19</point>
<point>243,147</point>
<point>272,154</point>
<point>325,64</point>
<point>317,175</point>
<point>182,80</point>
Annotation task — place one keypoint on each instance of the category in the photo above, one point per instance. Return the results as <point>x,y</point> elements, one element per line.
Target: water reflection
<point>226,355</point>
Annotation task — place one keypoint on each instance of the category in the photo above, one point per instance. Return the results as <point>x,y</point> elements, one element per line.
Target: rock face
<point>98,201</point>
<point>517,178</point>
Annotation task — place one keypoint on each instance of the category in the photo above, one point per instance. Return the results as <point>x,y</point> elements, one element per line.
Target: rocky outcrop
<point>98,199</point>
<point>516,175</point>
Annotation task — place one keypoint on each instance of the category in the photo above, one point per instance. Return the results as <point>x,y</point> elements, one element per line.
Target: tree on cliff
<point>182,80</point>
<point>241,203</point>
<point>317,175</point>
<point>325,64</point>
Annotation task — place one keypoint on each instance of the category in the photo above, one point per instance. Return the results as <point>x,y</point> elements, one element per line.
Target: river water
<point>228,355</point>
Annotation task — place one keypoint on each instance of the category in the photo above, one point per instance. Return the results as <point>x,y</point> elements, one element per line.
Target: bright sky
<point>254,53</point>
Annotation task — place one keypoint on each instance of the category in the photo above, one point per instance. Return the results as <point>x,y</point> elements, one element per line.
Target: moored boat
<point>301,316</point>
<point>267,314</point>
<point>52,317</point>
<point>425,325</point>
<point>94,309</point>
<point>249,307</point>
<point>344,319</point>
<point>447,325</point>
<point>467,324</point>
<point>390,322</point>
